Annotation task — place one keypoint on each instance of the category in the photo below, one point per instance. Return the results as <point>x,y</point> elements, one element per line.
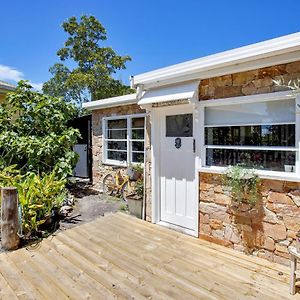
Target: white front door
<point>177,167</point>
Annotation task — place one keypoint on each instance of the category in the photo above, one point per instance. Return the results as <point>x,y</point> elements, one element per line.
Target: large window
<point>124,139</point>
<point>259,135</point>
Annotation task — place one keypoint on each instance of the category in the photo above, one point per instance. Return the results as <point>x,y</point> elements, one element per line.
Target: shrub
<point>38,196</point>
<point>34,132</point>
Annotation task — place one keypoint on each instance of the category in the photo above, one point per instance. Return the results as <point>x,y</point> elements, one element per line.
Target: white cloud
<point>11,74</point>
<point>37,86</point>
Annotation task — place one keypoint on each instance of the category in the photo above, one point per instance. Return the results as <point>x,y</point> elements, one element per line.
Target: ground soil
<point>89,205</point>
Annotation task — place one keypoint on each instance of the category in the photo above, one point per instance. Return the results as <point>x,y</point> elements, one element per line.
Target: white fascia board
<point>255,52</point>
<point>183,91</point>
<point>110,102</point>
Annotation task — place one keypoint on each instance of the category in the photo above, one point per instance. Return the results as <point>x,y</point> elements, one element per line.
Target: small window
<point>124,140</point>
<point>179,125</point>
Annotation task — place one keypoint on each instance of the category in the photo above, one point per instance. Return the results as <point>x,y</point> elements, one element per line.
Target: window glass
<point>138,146</point>
<point>116,129</point>
<point>269,112</point>
<point>137,157</point>
<point>117,155</point>
<point>137,128</point>
<point>261,135</point>
<point>116,145</point>
<point>179,125</point>
<point>258,159</point>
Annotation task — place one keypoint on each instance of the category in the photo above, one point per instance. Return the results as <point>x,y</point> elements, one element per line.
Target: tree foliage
<point>91,79</point>
<point>34,132</point>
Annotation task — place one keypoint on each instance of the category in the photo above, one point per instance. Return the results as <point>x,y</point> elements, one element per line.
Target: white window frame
<point>128,139</point>
<point>277,96</point>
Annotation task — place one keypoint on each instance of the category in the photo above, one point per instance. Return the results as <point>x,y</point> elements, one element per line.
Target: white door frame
<point>155,162</point>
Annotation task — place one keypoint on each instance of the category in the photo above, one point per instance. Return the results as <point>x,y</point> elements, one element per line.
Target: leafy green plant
<point>38,196</point>
<point>34,132</point>
<point>244,184</point>
<point>139,187</point>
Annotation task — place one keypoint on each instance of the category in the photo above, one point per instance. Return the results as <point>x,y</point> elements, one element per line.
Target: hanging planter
<point>244,185</point>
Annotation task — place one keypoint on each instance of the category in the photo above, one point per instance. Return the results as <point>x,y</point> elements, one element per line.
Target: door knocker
<point>178,143</point>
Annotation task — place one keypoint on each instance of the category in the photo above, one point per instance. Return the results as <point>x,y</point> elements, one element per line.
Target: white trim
<point>248,99</point>
<point>264,174</point>
<point>178,228</point>
<point>252,124</point>
<point>266,53</point>
<point>183,91</point>
<point>262,148</point>
<point>128,140</point>
<point>110,102</point>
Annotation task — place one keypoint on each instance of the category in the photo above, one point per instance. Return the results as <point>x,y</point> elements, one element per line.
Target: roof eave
<point>276,51</point>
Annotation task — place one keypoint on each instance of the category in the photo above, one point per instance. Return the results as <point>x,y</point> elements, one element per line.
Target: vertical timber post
<point>9,218</point>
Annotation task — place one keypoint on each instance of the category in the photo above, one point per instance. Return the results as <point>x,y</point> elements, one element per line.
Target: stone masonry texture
<point>99,168</point>
<point>265,230</point>
<point>258,81</point>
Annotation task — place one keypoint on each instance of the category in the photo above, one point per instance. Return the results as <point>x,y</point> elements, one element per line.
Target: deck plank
<point>121,257</point>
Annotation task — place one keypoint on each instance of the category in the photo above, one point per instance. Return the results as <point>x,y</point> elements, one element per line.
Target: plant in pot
<point>134,198</point>
<point>244,185</point>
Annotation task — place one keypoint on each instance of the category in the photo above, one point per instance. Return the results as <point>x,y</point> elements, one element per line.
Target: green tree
<point>34,132</point>
<point>91,78</point>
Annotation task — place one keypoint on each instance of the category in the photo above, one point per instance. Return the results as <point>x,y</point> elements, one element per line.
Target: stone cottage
<point>188,122</point>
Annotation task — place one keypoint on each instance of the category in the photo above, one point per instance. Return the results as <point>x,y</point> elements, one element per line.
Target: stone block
<point>271,217</point>
<point>215,224</point>
<point>274,185</point>
<point>205,228</point>
<point>291,223</point>
<point>204,218</point>
<point>275,231</point>
<point>204,186</point>
<point>291,234</point>
<point>222,199</point>
<point>209,208</point>
<point>293,67</point>
<point>295,196</point>
<point>263,82</point>
<point>218,234</point>
<point>269,244</point>
<point>243,77</point>
<point>232,235</point>
<point>275,197</point>
<point>281,248</point>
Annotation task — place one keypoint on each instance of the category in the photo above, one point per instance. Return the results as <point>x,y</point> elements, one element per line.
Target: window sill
<point>115,163</point>
<point>293,177</point>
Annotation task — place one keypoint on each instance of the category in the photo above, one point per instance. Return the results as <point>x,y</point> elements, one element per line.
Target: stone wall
<point>248,83</point>
<point>100,169</point>
<point>266,230</point>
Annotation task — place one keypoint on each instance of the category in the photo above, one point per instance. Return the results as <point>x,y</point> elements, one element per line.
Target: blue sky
<point>154,33</point>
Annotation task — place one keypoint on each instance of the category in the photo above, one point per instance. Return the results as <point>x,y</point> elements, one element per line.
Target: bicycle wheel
<point>127,191</point>
<point>109,184</point>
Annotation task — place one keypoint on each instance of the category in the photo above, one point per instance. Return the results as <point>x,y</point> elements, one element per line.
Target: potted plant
<point>135,199</point>
<point>135,172</point>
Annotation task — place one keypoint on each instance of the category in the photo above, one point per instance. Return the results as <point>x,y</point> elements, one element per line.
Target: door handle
<point>194,145</point>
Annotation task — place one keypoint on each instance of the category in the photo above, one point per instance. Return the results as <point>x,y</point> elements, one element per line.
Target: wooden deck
<point>120,257</point>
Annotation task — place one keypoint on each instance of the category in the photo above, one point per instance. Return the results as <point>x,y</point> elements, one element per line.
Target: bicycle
<point>119,184</point>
